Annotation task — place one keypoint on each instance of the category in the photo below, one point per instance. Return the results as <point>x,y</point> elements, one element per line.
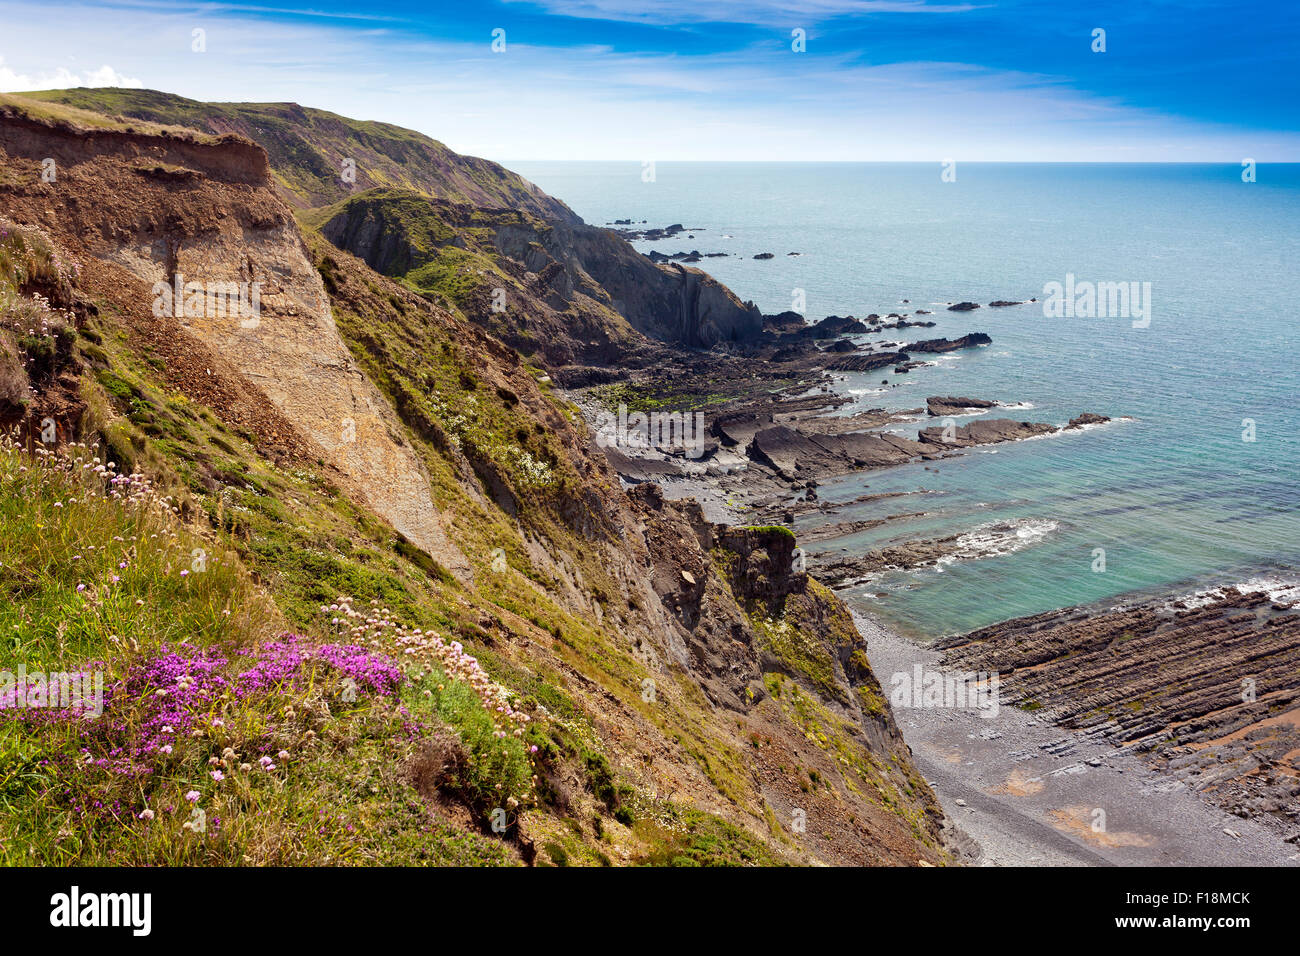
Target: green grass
<point>83,572</point>
<point>32,105</point>
<point>649,397</point>
<point>97,582</point>
<point>687,837</point>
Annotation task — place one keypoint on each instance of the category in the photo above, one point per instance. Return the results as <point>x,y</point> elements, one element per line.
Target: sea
<point>1192,485</point>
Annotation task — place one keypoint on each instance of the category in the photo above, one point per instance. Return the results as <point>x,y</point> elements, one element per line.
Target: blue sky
<point>997,80</point>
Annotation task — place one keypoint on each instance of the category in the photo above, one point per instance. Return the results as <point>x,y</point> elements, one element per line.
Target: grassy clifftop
<point>308,149</point>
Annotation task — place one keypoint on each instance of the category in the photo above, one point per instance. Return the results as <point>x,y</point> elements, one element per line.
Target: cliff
<point>591,290</point>
<point>544,669</point>
<point>148,208</point>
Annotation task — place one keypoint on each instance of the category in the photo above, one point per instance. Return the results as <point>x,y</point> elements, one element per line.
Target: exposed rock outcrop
<point>670,303</point>
<point>984,431</point>
<point>967,341</point>
<point>1087,418</point>
<point>790,452</point>
<point>866,361</point>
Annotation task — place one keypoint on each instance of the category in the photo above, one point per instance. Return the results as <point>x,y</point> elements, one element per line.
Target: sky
<point>875,80</point>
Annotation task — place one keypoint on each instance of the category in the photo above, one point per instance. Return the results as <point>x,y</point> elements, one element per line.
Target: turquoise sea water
<point>1175,497</point>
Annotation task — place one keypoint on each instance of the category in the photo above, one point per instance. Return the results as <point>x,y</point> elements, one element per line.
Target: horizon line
<point>923,162</point>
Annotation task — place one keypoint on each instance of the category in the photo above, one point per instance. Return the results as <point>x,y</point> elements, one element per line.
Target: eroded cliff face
<point>670,303</point>
<point>170,212</point>
<point>781,653</point>
<point>686,664</point>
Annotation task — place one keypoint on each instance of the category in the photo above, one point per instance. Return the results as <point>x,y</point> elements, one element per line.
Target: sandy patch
<point>1082,821</point>
<point>1020,784</point>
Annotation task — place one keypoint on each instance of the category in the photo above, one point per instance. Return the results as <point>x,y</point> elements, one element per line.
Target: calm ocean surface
<point>1175,497</point>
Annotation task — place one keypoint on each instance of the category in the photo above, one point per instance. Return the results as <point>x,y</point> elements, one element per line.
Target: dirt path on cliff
<point>1033,794</point>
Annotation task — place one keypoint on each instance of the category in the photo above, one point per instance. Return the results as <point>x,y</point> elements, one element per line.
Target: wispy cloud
<point>221,9</point>
<point>758,12</point>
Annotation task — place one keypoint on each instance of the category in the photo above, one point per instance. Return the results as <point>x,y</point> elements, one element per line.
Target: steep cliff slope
<point>644,686</point>
<point>216,220</point>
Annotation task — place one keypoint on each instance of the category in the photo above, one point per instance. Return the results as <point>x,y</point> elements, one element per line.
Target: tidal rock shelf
<point>1203,687</point>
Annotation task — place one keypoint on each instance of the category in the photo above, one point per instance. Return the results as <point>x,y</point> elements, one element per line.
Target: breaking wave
<point>998,538</point>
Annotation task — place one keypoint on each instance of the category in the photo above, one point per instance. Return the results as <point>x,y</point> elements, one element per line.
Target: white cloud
<point>62,78</point>
<point>107,76</point>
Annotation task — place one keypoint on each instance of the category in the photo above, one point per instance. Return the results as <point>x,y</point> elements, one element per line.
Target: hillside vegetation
<point>582,675</point>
